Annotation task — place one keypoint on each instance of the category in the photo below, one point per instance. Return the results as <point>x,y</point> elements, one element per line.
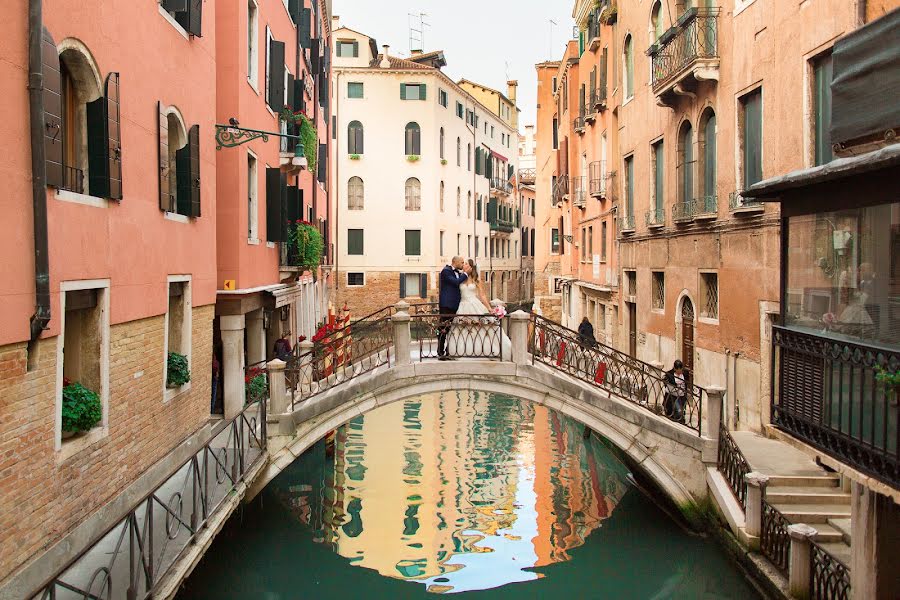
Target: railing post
<point>402,338</point>
<point>277,387</point>
<point>401,307</point>
<point>305,377</point>
<point>799,567</point>
<point>713,415</point>
<point>518,335</point>
<point>756,493</point>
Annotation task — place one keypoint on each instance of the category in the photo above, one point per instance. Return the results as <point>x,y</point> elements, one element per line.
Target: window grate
<point>631,277</point>
<point>710,295</point>
<point>659,290</point>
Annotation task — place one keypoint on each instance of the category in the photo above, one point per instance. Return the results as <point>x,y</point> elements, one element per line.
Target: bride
<point>471,334</point>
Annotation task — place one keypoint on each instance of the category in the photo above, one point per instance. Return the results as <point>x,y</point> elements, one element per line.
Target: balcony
<point>655,218</point>
<point>501,185</point>
<point>593,29</point>
<point>598,98</point>
<point>626,224</point>
<point>683,212</point>
<point>500,217</point>
<point>561,189</point>
<point>739,205</point>
<point>527,176</point>
<point>597,178</point>
<point>685,55</point>
<point>579,123</point>
<point>579,191</point>
<point>706,208</point>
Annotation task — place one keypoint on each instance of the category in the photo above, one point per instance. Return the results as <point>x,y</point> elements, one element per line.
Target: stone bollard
<point>799,567</point>
<point>402,338</point>
<point>756,493</point>
<point>518,335</point>
<point>278,398</point>
<point>712,415</point>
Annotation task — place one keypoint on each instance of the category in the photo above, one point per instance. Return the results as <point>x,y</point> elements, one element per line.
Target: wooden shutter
<point>165,199</point>
<point>294,10</point>
<point>423,285</point>
<point>315,48</point>
<point>53,125</point>
<point>293,204</point>
<point>98,160</point>
<point>321,163</point>
<point>752,138</point>
<point>304,27</point>
<point>593,83</point>
<point>275,213</point>
<point>276,75</point>
<point>175,5</point>
<point>187,164</point>
<point>403,91</point>
<point>291,91</point>
<point>190,17</point>
<point>323,91</point>
<point>114,136</point>
<point>299,96</point>
<point>423,92</point>
<point>403,285</point>
<point>603,59</point>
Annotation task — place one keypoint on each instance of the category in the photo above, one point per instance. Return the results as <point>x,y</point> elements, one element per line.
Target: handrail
<point>732,464</point>
<point>464,336</point>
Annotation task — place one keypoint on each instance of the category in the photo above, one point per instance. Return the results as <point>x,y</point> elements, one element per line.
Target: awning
<point>500,156</point>
<point>840,168</point>
<point>286,295</point>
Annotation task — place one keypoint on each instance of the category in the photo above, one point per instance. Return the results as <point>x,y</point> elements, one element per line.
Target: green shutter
<point>276,76</point>
<point>187,165</point>
<point>293,203</point>
<point>403,285</point>
<point>294,10</point>
<point>275,214</point>
<point>304,27</point>
<point>752,138</point>
<point>709,158</point>
<point>823,76</point>
<point>98,161</point>
<point>403,91</point>
<point>355,242</point>
<point>422,91</point>
<point>658,166</point>
<point>423,285</point>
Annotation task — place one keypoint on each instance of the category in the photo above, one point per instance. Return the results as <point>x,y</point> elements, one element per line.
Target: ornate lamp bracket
<point>228,136</point>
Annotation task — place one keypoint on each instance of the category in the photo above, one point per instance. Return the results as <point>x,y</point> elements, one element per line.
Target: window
<point>442,143</point>
<point>355,244</point>
<point>685,166</point>
<point>629,186</point>
<point>469,205</point>
<point>751,137</point>
<point>355,194</point>
<point>659,290</point>
<point>441,243</point>
<point>492,130</point>
<point>83,345</point>
<point>442,98</point>
<point>413,242</point>
<point>629,67</point>
<point>413,285</point>
<point>555,133</point>
<point>603,242</point>
<point>178,328</point>
<point>478,246</point>
<point>656,22</point>
<point>631,278</point>
<point>356,279</point>
<point>355,89</point>
<point>189,15</point>
<point>459,110</point>
<point>590,243</point>
<point>252,43</point>
<point>355,138</point>
<point>469,245</point>
<point>348,49</point>
<point>458,202</point>
<point>412,91</point>
<point>458,243</point>
<point>441,197</point>
<point>458,152</point>
<point>179,150</point>
<point>707,174</point>
<point>658,170</point>
<point>554,85</point>
<point>822,74</point>
<point>413,194</point>
<point>252,199</point>
<point>710,302</point>
<point>413,139</point>
<point>554,241</point>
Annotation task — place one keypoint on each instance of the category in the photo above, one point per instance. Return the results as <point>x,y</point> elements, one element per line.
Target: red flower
<point>302,338</point>
<point>66,382</point>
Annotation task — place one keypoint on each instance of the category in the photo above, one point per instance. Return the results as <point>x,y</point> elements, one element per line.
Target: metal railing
<point>706,206</point>
<point>579,123</point>
<point>527,176</point>
<point>579,191</point>
<point>737,202</point>
<point>774,541</point>
<point>692,38</point>
<point>73,180</point>
<point>683,212</point>
<point>829,577</point>
<point>732,464</point>
<point>458,336</point>
<point>828,396</point>
<point>597,178</point>
<point>615,372</point>
<point>626,223</point>
<point>501,184</point>
<point>655,217</point>
<point>132,557</point>
<point>598,98</point>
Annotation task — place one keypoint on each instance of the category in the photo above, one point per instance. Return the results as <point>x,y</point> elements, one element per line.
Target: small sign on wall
<point>229,285</point>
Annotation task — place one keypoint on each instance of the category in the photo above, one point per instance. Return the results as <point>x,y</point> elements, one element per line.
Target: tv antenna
<point>552,25</point>
<point>417,25</point>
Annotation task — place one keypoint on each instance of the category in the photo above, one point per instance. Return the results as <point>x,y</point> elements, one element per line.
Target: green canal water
<point>474,494</point>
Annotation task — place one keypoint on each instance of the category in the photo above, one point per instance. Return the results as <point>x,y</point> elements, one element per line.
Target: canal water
<point>463,493</point>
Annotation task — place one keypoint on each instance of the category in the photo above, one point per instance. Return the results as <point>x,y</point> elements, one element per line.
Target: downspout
<point>860,13</point>
<point>41,316</point>
<point>337,178</point>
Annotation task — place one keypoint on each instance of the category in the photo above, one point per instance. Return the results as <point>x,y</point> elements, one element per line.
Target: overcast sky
<point>486,42</point>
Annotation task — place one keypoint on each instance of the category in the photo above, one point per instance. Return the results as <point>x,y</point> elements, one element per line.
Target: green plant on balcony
<point>610,14</point>
<point>309,137</point>
<point>413,158</point>
<point>354,157</point>
<point>81,408</point>
<point>256,385</point>
<point>443,161</point>
<point>178,371</point>
<point>304,245</point>
<point>890,382</point>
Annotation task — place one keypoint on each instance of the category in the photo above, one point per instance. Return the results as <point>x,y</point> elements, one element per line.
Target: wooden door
<point>632,329</point>
<point>687,334</point>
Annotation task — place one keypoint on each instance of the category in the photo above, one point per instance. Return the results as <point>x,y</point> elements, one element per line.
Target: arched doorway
<point>687,333</point>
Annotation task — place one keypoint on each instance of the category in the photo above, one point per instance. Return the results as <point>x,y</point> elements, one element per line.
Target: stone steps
<point>813,513</point>
<point>842,525</point>
<point>828,534</point>
<point>823,481</point>
<point>806,495</point>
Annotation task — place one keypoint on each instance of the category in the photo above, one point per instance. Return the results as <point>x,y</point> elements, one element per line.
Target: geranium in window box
<point>413,158</point>
<point>354,157</point>
<point>305,246</point>
<point>256,385</point>
<point>443,161</point>
<point>178,371</point>
<point>81,409</point>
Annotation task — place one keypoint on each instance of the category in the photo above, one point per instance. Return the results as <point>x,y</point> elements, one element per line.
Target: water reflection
<point>459,492</point>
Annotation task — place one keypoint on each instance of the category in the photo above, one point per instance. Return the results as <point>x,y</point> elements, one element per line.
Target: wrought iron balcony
<point>598,98</point>
<point>500,217</point>
<point>740,205</point>
<point>685,54</point>
<point>626,223</point>
<point>579,191</point>
<point>501,185</point>
<point>706,207</point>
<point>593,29</point>
<point>683,212</point>
<point>597,178</point>
<point>655,218</point>
<point>73,180</point>
<point>527,176</point>
<point>828,396</point>
<point>578,123</point>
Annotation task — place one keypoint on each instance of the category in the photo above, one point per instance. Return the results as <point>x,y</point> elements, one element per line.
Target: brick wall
<point>381,289</point>
<point>43,498</point>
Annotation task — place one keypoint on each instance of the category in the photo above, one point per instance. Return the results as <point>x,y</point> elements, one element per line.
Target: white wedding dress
<point>475,337</point>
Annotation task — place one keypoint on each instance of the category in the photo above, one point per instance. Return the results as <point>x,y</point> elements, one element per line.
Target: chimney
<point>416,52</point>
<point>511,87</point>
<point>385,62</point>
<point>335,22</point>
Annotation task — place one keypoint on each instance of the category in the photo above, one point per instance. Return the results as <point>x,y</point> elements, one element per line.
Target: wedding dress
<point>476,337</point>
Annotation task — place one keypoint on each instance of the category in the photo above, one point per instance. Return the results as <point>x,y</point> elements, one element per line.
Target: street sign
<point>229,285</point>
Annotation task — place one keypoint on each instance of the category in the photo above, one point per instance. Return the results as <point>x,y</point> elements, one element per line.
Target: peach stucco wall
<point>130,243</point>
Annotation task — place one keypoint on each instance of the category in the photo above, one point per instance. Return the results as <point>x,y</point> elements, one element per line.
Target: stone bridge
<point>673,455</point>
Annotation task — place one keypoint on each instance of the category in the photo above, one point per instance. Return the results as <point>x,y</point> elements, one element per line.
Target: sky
<point>486,42</point>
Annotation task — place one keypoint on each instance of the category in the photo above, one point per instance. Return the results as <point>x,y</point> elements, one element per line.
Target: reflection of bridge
<point>392,358</point>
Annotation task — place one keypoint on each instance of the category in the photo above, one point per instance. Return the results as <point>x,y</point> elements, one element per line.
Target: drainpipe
<point>41,316</point>
<point>337,178</point>
<point>860,13</point>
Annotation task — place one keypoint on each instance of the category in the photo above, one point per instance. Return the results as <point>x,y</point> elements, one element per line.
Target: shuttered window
<point>355,138</point>
<point>412,91</point>
<point>413,242</point>
<point>187,163</point>
<point>275,96</point>
<point>355,90</point>
<point>53,141</point>
<point>355,242</point>
<point>104,146</point>
<point>822,74</point>
<point>752,137</point>
<point>413,144</point>
<point>347,49</point>
<point>188,14</point>
<point>276,218</point>
<point>304,28</point>
<point>322,163</point>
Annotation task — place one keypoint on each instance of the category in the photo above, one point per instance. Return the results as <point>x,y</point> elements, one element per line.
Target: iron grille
<point>774,541</point>
<point>682,212</point>
<point>626,223</point>
<point>73,179</point>
<point>659,290</point>
<point>710,295</point>
<point>693,38</point>
<point>597,177</point>
<point>656,217</point>
<point>706,205</point>
<point>829,577</point>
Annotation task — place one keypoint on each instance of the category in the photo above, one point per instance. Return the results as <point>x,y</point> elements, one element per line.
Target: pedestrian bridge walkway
<point>393,355</point>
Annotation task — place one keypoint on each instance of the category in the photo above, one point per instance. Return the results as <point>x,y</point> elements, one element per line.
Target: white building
<point>422,172</point>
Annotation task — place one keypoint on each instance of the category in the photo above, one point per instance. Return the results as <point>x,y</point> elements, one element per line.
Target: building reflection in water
<point>460,491</point>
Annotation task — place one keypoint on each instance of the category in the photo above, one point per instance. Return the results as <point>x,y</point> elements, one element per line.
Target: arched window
<point>413,194</point>
<point>442,143</point>
<point>79,86</point>
<point>707,152</point>
<point>656,22</point>
<point>355,138</point>
<point>458,152</point>
<point>355,194</point>
<point>177,139</point>
<point>458,202</point>
<point>442,197</point>
<point>629,67</point>
<point>685,164</point>
<point>413,139</point>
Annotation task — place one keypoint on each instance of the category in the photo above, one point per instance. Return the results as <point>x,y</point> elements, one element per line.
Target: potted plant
<point>354,157</point>
<point>890,383</point>
<point>413,158</point>
<point>443,161</point>
<point>256,385</point>
<point>81,409</point>
<point>309,137</point>
<point>304,245</point>
<point>178,371</point>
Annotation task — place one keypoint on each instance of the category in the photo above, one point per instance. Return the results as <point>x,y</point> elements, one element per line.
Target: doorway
<point>687,333</point>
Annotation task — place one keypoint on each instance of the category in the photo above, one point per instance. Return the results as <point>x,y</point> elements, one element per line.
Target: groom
<point>451,278</point>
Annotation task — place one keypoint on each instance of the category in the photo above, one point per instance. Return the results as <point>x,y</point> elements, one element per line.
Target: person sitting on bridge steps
<point>677,380</point>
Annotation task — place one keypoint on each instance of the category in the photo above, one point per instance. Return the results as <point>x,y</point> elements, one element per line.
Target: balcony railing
<point>579,123</point>
<point>655,217</point>
<point>561,190</point>
<point>827,395</point>
<point>498,219</point>
<point>706,207</point>
<point>527,176</point>
<point>501,185</point>
<point>593,29</point>
<point>73,179</point>
<point>598,98</point>
<point>691,40</point>
<point>683,212</point>
<point>626,223</point>
<point>597,178</point>
<point>738,204</point>
<point>579,191</point>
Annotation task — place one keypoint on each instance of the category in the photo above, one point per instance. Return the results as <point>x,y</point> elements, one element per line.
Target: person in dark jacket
<point>586,333</point>
<point>282,347</point>
<point>678,383</point>
<point>448,301</point>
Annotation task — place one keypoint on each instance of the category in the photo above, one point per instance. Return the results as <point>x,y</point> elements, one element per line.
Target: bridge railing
<point>464,336</point>
<point>615,372</point>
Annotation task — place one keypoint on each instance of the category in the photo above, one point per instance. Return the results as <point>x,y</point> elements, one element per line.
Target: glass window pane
<point>413,242</point>
<point>355,242</point>
<point>354,90</point>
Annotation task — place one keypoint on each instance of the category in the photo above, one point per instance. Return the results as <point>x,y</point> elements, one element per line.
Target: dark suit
<point>448,302</point>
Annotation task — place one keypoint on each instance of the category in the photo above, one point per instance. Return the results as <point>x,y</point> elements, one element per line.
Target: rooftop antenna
<point>552,25</point>
<point>506,63</point>
<point>417,27</point>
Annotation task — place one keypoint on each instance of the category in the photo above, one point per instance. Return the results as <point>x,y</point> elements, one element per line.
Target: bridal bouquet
<point>499,311</point>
